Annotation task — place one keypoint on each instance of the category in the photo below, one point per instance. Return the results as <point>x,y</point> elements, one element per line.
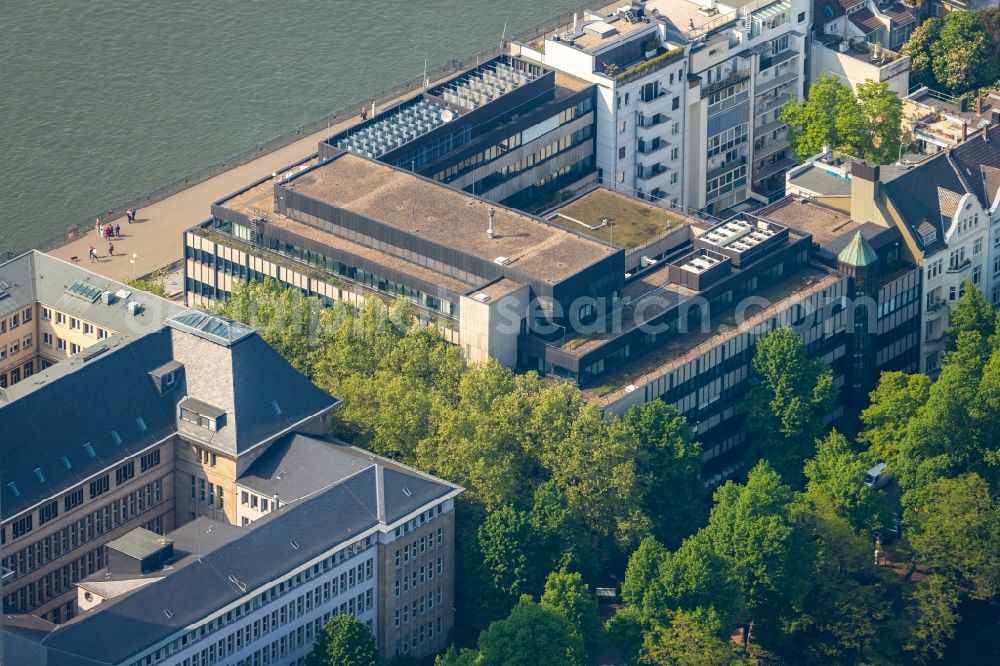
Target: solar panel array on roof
<point>87,292</point>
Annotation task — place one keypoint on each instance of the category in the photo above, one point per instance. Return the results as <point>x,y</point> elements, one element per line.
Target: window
<point>21,526</point>
<point>977,274</point>
<point>47,339</point>
<point>73,500</point>
<point>26,315</point>
<point>60,318</point>
<point>977,246</point>
<point>802,17</point>
<point>88,329</point>
<point>621,129</point>
<point>149,460</point>
<point>15,321</point>
<point>26,343</point>
<point>245,498</point>
<point>74,323</point>
<point>198,419</point>
<point>675,153</point>
<point>621,153</point>
<point>620,177</point>
<point>99,486</point>
<point>125,472</point>
<point>675,128</point>
<point>673,178</point>
<point>675,103</point>
<point>60,344</point>
<point>74,348</point>
<point>46,314</point>
<point>48,512</point>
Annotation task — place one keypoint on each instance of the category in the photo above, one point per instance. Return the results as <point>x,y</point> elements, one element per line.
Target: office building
<point>508,130</point>
<point>148,422</point>
<point>358,535</point>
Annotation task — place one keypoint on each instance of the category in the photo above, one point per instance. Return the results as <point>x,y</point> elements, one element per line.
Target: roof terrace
<point>615,218</point>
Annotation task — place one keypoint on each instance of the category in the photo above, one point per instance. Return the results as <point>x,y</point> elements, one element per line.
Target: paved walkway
<point>157,236</point>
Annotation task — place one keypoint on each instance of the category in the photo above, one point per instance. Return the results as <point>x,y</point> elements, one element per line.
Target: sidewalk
<point>157,236</point>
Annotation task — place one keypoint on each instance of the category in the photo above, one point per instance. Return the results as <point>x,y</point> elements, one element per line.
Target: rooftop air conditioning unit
<point>502,261</point>
<point>134,308</point>
<point>107,297</point>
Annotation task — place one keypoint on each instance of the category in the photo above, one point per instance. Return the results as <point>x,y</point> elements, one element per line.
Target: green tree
<point>624,631</point>
<point>344,641</point>
<point>532,634</point>
<point>505,540</point>
<point>866,124</point>
<point>567,593</point>
<point>971,314</point>
<point>963,58</point>
<point>453,657</point>
<point>812,122</point>
<point>153,286</point>
<point>752,528</point>
<point>669,467</point>
<point>691,639</point>
<point>953,524</point>
<point>558,534</point>
<point>918,47</point>
<point>838,473</point>
<point>871,127</point>
<point>893,404</point>
<point>934,617</point>
<point>788,396</point>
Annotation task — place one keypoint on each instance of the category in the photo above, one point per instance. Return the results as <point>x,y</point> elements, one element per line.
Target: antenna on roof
<point>490,231</point>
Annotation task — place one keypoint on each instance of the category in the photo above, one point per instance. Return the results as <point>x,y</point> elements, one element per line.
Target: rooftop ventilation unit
<point>107,297</point>
<point>134,308</point>
<point>481,297</point>
<point>502,261</point>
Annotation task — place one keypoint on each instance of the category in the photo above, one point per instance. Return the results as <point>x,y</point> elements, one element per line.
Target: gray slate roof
<point>915,193</point>
<point>122,627</point>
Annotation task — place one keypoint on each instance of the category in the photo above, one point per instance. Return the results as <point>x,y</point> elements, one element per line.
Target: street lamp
<point>132,261</point>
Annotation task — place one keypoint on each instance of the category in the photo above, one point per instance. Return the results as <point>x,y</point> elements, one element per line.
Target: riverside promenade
<point>157,236</point>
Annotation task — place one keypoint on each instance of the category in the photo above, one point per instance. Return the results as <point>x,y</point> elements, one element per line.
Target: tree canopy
<point>344,641</point>
<point>955,54</point>
<point>866,123</point>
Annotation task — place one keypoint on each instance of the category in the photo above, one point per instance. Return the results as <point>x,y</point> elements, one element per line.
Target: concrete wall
<point>853,70</point>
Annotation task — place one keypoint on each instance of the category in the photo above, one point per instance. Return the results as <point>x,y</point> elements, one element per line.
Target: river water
<point>104,100</point>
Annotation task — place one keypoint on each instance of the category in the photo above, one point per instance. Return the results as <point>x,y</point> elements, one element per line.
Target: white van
<point>876,477</point>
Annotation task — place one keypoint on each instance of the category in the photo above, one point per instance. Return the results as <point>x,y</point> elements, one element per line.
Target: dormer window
<point>202,414</point>
<point>167,376</point>
<point>929,237</point>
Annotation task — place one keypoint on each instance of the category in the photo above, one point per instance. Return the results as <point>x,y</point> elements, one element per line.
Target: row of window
<point>199,494</point>
<point>425,543</point>
<point>15,320</point>
<point>83,531</point>
<point>15,347</point>
<point>546,152</point>
<point>727,182</point>
<point>728,139</point>
<point>14,375</point>
<point>417,608</point>
<point>97,487</point>
<point>36,593</point>
<point>277,651</point>
<point>309,599</point>
<point>419,576</point>
<point>416,522</point>
<point>417,637</point>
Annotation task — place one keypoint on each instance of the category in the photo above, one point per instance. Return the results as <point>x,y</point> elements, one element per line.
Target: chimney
<point>965,131</point>
<point>979,105</point>
<point>490,232</point>
<point>277,501</point>
<point>865,192</point>
<point>963,103</point>
<point>574,23</point>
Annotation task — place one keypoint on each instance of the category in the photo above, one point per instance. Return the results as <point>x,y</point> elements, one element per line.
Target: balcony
<point>649,173</point>
<point>653,146</point>
<point>731,80</point>
<point>651,65</point>
<point>724,167</point>
<point>658,100</point>
<point>773,168</point>
<point>767,128</point>
<point>959,267</point>
<point>762,149</point>
<point>935,309</point>
<point>652,121</point>
<point>764,106</point>
<point>771,84</point>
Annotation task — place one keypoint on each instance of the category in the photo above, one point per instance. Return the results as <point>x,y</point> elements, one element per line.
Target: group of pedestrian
<point>108,231</point>
<point>130,215</point>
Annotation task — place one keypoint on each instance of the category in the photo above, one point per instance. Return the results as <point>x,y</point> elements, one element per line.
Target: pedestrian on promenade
<point>111,249</point>
<point>118,230</point>
<point>93,254</point>
<point>129,215</point>
<point>97,227</point>
<point>364,114</point>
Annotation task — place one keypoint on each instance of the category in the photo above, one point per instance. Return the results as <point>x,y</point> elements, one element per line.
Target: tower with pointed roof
<point>860,263</point>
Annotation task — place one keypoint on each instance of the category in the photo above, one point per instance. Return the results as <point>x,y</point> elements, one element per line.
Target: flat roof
<point>448,217</point>
<point>589,41</point>
<point>817,179</point>
<point>634,222</point>
<point>822,222</point>
<point>497,289</point>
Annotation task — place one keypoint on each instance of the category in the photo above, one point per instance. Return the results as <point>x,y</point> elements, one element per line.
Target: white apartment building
<point>690,92</point>
<point>641,78</point>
